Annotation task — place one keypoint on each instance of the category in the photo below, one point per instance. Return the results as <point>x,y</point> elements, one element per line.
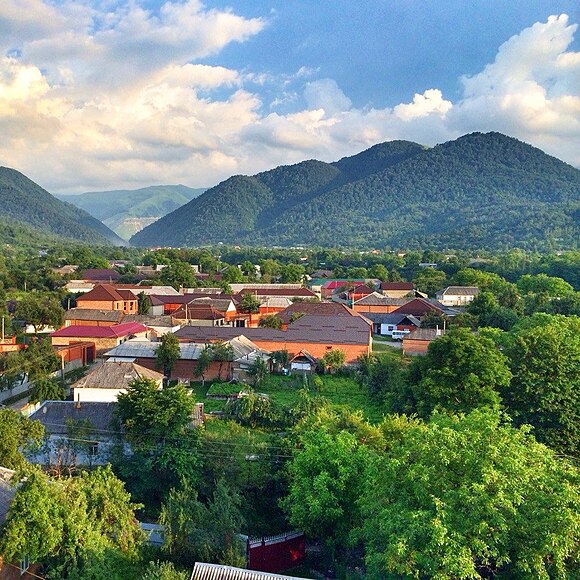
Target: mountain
<point>127,211</point>
<point>23,201</point>
<point>479,191</point>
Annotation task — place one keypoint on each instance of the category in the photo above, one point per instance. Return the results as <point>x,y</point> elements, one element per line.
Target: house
<point>316,334</point>
<point>379,304</point>
<point>104,337</point>
<point>279,290</point>
<point>418,342</point>
<point>100,275</point>
<point>274,305</point>
<point>396,289</point>
<point>457,295</point>
<point>65,270</point>
<point>92,317</point>
<point>222,303</point>
<point>314,308</point>
<point>358,292</point>
<point>203,571</point>
<point>419,307</point>
<point>329,287</point>
<point>199,315</point>
<point>322,274</point>
<point>107,297</point>
<point>385,324</point>
<point>148,290</point>
<point>303,362</point>
<point>158,325</point>
<point>76,435</point>
<point>76,354</point>
<point>104,382</point>
<point>78,286</point>
<point>167,304</point>
<point>8,344</point>
<point>143,353</point>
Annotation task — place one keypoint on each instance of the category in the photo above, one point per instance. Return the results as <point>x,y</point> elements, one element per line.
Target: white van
<point>399,334</point>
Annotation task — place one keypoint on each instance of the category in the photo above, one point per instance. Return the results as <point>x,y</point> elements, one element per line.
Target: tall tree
<point>468,497</point>
<point>41,310</point>
<point>460,372</point>
<point>167,353</point>
<point>203,363</point>
<point>17,434</point>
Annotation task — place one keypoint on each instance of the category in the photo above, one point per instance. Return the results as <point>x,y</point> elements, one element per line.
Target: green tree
<point>254,409</point>
<point>249,304</point>
<point>429,280</point>
<point>545,362</point>
<point>144,303</point>
<point>460,372</point>
<point>17,434</point>
<point>178,274</point>
<point>232,275</point>
<point>162,571</point>
<point>222,352</point>
<point>40,360</point>
<point>258,371</point>
<point>195,531</point>
<point>333,359</point>
<point>292,274</point>
<point>280,359</point>
<point>543,284</point>
<point>482,304</point>
<point>157,424</point>
<point>468,497</point>
<point>167,353</point>
<point>41,310</point>
<point>47,389</point>
<point>379,271</point>
<point>203,363</point>
<point>270,321</point>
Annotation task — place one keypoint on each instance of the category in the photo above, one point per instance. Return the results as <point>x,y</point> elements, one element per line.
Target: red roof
<point>418,307</point>
<point>107,292</point>
<point>300,292</point>
<point>334,284</point>
<point>362,289</point>
<point>101,275</point>
<point>397,286</point>
<point>114,331</point>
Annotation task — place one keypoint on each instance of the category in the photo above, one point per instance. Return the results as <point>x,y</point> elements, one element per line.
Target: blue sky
<point>102,94</point>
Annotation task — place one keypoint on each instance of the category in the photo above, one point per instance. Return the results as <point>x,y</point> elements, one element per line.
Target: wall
<point>87,395</point>
<point>414,346</point>
<point>377,308</point>
<point>96,304</point>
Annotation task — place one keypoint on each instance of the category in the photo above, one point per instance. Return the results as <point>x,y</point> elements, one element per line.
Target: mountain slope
<point>23,201</point>
<point>127,211</point>
<point>481,190</point>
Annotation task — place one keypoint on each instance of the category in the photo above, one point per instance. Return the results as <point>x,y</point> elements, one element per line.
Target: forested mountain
<point>127,211</point>
<point>23,201</point>
<point>479,191</point>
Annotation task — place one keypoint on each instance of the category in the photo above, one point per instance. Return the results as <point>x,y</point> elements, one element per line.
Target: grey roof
<point>392,318</point>
<point>160,321</point>
<point>91,314</point>
<point>54,415</point>
<point>376,299</point>
<point>459,291</point>
<point>307,329</point>
<point>425,334</point>
<point>221,304</point>
<point>7,492</point>
<point>115,375</point>
<point>202,571</point>
<point>133,349</point>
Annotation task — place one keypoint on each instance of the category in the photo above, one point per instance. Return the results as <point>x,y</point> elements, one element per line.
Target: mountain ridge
<point>24,201</point>
<point>480,190</point>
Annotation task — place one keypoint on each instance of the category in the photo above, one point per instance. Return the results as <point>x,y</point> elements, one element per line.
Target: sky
<point>110,94</point>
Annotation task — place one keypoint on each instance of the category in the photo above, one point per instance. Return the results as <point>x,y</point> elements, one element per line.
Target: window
<point>94,448</point>
<point>24,565</point>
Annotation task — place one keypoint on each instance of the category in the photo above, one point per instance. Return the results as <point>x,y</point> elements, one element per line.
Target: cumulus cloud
<point>120,97</point>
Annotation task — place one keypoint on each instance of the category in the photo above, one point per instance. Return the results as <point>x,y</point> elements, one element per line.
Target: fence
<point>276,553</point>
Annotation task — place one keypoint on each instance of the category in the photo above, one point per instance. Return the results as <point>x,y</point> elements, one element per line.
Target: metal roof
<point>202,571</point>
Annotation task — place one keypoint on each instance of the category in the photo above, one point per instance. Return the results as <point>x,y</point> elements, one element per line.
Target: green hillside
<point>479,191</point>
<point>24,202</point>
<point>126,211</point>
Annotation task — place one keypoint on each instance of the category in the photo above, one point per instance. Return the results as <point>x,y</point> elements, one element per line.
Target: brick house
<point>418,342</point>
<point>379,304</point>
<point>107,297</point>
<point>104,337</point>
<point>419,307</point>
<point>92,317</point>
<point>396,289</point>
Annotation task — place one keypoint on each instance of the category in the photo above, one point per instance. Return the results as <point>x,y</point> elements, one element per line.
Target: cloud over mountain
<point>111,94</point>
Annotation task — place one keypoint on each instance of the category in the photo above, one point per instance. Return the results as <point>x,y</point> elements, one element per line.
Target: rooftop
<point>55,414</point>
<point>115,375</point>
<point>90,331</point>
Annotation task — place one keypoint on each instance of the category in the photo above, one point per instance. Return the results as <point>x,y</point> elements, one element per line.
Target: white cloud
<point>118,97</point>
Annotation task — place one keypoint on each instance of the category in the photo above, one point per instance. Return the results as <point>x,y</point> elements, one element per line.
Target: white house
<point>457,295</point>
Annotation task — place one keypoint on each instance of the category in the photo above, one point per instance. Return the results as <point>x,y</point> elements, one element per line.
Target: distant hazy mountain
<point>24,202</point>
<point>481,190</point>
<point>128,211</point>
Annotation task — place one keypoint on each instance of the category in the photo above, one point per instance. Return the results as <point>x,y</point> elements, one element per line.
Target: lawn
<point>340,390</point>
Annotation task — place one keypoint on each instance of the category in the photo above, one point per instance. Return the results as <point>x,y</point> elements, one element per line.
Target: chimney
<point>78,402</point>
<point>437,331</point>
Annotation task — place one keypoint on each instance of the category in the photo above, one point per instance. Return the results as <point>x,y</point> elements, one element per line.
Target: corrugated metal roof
<point>202,571</point>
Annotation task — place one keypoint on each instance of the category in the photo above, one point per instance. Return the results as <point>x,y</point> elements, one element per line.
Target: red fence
<point>276,553</point>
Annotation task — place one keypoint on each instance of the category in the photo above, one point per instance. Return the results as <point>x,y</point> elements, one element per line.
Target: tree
<point>47,389</point>
<point>258,371</point>
<point>280,359</point>
<point>203,363</point>
<point>178,274</point>
<point>195,531</point>
<point>75,526</point>
<point>249,304</point>
<point>429,280</point>
<point>254,409</point>
<point>144,303</point>
<point>162,571</point>
<point>434,319</point>
<point>222,352</point>
<point>482,304</point>
<point>40,360</point>
<point>41,310</point>
<point>460,372</point>
<point>333,359</point>
<point>167,353</point>
<point>468,497</point>
<point>543,284</point>
<point>545,362</point>
<point>379,271</point>
<point>164,443</point>
<point>270,321</point>
<point>17,434</point>
<point>292,274</point>
<point>232,275</point>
